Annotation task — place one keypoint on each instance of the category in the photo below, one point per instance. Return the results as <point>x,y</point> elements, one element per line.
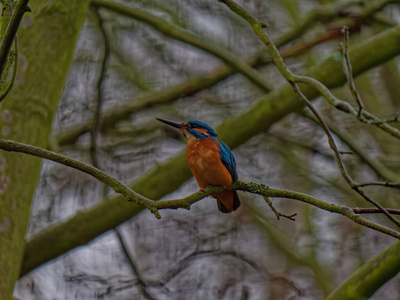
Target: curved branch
<point>171,31</point>
<point>186,202</point>
<point>116,185</point>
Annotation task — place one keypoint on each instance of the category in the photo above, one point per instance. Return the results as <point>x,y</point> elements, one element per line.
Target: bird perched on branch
<point>210,160</point>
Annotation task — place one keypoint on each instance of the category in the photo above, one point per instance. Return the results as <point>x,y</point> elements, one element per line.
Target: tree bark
<point>370,277</point>
<point>47,38</point>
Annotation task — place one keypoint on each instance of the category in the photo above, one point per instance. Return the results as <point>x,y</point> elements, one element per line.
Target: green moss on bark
<point>4,20</point>
<point>370,277</point>
<point>46,38</point>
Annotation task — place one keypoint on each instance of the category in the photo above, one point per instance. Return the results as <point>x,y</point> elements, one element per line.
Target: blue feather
<point>228,159</point>
<point>229,162</point>
<point>197,124</point>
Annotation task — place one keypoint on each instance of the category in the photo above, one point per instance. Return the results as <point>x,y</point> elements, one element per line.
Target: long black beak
<point>172,123</point>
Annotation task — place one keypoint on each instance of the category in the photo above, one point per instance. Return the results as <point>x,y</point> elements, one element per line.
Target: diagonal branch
<point>94,133</point>
<point>349,70</point>
<point>174,32</point>
<point>380,170</point>
<point>371,276</point>
<point>116,185</point>
<point>141,282</point>
<point>353,184</point>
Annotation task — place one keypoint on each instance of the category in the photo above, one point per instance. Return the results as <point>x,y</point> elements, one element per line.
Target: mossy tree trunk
<point>47,37</point>
<point>370,277</point>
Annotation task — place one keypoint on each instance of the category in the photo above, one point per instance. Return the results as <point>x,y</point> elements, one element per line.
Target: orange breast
<point>205,162</point>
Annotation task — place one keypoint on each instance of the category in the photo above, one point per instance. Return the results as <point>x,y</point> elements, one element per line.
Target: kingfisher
<point>210,160</point>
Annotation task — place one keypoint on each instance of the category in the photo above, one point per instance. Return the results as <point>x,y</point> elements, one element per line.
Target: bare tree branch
<point>154,206</point>
<point>169,30</point>
<point>94,133</point>
<point>394,185</point>
<point>142,284</point>
<point>344,47</point>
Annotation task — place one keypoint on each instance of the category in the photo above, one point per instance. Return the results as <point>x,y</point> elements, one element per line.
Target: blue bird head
<point>196,129</point>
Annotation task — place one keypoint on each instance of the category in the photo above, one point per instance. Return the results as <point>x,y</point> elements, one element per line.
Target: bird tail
<point>228,201</point>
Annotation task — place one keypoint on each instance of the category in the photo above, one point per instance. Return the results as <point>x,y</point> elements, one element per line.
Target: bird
<point>210,160</point>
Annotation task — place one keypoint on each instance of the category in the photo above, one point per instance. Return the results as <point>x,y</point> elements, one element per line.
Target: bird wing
<point>228,159</point>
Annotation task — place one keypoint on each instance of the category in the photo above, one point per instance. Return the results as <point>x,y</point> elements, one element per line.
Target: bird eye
<point>194,126</point>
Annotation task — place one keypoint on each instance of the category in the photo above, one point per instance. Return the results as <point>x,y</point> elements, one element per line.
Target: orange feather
<point>205,163</point>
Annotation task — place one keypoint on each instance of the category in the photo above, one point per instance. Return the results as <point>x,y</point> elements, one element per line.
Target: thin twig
<point>346,152</point>
<point>142,284</point>
<point>379,169</point>
<point>394,119</point>
<point>381,183</point>
<point>277,213</point>
<point>344,48</point>
<point>374,210</point>
<point>353,184</point>
<point>97,115</point>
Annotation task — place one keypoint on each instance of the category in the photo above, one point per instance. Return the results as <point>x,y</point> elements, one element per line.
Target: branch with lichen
<point>155,206</point>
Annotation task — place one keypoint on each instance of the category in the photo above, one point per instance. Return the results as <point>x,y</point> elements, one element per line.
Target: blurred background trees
<point>183,60</point>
